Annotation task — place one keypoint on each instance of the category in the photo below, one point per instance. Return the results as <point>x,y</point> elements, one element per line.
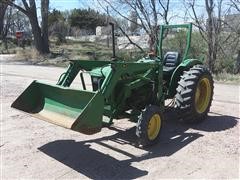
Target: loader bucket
<point>70,108</point>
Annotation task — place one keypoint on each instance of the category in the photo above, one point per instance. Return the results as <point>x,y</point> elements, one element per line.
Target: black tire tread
<point>186,93</point>
<point>142,125</point>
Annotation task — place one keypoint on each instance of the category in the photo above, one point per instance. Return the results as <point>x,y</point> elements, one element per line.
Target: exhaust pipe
<point>113,42</point>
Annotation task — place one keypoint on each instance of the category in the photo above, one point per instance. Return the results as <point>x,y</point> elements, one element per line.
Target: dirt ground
<point>34,149</point>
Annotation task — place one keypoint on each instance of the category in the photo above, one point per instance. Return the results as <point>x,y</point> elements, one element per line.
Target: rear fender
<point>185,65</point>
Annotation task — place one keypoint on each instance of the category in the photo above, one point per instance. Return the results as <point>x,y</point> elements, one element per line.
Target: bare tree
<point>20,22</point>
<point>219,28</point>
<point>210,29</point>
<point>3,8</point>
<point>40,33</point>
<point>236,4</point>
<point>148,12</point>
<point>133,24</point>
<point>7,24</point>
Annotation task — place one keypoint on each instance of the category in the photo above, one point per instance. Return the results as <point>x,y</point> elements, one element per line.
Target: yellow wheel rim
<point>202,95</point>
<point>154,126</point>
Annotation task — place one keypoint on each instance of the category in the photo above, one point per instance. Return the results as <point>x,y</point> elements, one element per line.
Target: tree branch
<point>129,39</point>
<point>11,3</point>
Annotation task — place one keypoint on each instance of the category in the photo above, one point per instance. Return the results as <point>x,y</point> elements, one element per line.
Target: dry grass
<point>73,50</point>
<point>60,54</point>
<point>227,78</point>
<point>11,48</point>
<point>82,50</point>
<point>27,54</point>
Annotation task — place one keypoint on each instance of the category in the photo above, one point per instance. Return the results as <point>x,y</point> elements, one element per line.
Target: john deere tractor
<point>119,89</point>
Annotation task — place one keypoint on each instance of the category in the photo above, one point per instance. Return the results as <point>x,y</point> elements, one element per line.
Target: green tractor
<point>134,90</point>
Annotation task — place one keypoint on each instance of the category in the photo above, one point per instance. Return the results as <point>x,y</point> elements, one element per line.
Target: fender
<point>185,65</point>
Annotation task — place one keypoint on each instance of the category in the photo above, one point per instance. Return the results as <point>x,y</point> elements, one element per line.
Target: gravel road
<point>34,149</point>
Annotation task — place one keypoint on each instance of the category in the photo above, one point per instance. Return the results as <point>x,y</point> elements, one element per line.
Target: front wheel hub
<point>154,126</point>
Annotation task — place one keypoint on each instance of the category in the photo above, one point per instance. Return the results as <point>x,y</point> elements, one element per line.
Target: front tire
<point>149,125</point>
<point>194,94</point>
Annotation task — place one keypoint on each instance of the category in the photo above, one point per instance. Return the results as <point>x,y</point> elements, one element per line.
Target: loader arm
<point>82,110</point>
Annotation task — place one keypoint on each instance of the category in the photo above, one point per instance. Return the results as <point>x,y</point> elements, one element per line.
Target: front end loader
<point>119,89</point>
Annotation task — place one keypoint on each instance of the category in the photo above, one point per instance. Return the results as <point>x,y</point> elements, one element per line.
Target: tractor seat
<point>170,61</point>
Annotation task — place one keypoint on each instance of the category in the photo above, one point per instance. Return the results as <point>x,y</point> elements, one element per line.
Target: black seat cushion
<point>170,61</point>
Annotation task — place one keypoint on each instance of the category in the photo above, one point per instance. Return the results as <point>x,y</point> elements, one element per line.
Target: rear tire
<point>149,125</point>
<point>194,94</point>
